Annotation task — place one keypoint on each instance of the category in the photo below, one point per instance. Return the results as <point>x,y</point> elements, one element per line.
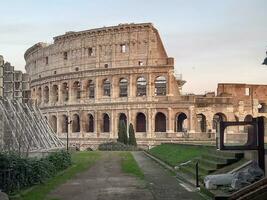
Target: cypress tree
<point>132,139</point>
<point>122,134</point>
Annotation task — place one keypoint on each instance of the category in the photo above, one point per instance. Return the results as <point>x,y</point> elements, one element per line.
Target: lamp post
<point>69,122</point>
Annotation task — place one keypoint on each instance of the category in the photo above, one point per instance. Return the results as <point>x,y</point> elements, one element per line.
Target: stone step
<point>220,159</point>
<point>229,154</point>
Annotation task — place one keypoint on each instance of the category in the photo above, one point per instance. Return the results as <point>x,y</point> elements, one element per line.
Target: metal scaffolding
<point>24,129</point>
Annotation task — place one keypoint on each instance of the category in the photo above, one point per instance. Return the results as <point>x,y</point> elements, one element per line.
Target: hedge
<point>17,172</point>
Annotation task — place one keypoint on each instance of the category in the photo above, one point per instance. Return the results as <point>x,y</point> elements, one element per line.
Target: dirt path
<point>162,184</point>
<point>103,181</point>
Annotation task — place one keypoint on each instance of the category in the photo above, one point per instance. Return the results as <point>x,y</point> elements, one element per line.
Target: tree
<point>122,134</point>
<point>132,139</point>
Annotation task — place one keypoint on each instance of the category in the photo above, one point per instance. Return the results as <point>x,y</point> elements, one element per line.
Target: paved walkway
<point>162,184</point>
<point>103,181</point>
<point>106,181</point>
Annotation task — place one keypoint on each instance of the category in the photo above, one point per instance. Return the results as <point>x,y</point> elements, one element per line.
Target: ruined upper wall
<point>125,45</point>
<point>243,92</point>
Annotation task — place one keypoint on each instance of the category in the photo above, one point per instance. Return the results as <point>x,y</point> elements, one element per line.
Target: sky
<point>212,41</point>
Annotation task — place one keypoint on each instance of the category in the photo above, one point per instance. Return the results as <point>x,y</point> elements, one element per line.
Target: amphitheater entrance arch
<point>76,123</point>
<point>160,122</point>
<point>181,122</point>
<point>140,122</point>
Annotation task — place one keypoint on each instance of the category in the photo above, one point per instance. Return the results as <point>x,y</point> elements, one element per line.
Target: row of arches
<point>76,88</point>
<point>88,123</point>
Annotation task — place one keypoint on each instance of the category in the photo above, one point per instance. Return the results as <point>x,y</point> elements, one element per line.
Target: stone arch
<point>248,118</point>
<point>106,123</point>
<point>160,122</point>
<point>123,117</point>
<point>65,91</point>
<point>46,94</point>
<point>202,123</point>
<point>140,122</point>
<point>90,89</point>
<point>76,90</point>
<point>217,118</point>
<point>141,86</point>
<point>64,124</point>
<point>54,93</point>
<point>76,127</point>
<point>160,86</point>
<point>39,95</point>
<point>53,123</point>
<point>106,87</point>
<point>123,87</point>
<point>89,123</point>
<point>181,119</point>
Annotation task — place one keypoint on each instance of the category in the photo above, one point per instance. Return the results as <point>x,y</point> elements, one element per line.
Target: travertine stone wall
<point>86,82</point>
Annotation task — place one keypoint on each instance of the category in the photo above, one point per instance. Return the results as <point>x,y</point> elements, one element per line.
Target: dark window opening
<point>65,55</point>
<point>140,122</point>
<point>141,87</point>
<point>46,60</point>
<point>123,88</point>
<point>106,87</point>
<point>90,51</point>
<point>160,86</point>
<point>106,120</point>
<point>160,122</point>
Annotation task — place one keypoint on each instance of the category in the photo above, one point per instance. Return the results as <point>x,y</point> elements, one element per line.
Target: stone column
<point>149,123</point>
<point>113,127</point>
<point>191,119</point>
<point>114,88</point>
<point>170,83</point>
<point>59,94</point>
<point>150,86</point>
<point>96,123</point>
<point>170,127</point>
<point>131,87</point>
<point>58,124</point>
<point>97,89</point>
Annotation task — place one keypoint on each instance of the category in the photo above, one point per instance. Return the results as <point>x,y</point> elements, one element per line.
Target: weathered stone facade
<point>85,82</point>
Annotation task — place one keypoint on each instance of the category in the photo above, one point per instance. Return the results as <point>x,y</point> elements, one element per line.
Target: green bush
<point>132,139</point>
<point>17,172</point>
<point>122,134</point>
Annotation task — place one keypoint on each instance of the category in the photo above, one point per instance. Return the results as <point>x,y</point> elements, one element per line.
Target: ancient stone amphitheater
<point>87,81</point>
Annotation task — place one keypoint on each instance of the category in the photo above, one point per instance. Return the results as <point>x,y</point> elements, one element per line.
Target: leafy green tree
<point>122,134</point>
<point>132,139</point>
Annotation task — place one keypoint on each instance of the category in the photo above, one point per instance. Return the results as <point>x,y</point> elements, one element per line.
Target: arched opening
<point>160,122</point>
<point>54,93</point>
<point>141,87</point>
<point>53,123</point>
<point>181,125</point>
<point>123,118</point>
<point>160,86</point>
<point>202,123</point>
<point>39,95</point>
<point>65,124</point>
<point>248,129</point>
<point>76,89</point>
<point>248,118</point>
<point>91,89</point>
<point>90,123</point>
<point>65,92</point>
<point>106,123</point>
<point>76,123</point>
<point>106,87</point>
<point>46,94</point>
<point>140,122</point>
<point>217,118</point>
<point>123,87</point>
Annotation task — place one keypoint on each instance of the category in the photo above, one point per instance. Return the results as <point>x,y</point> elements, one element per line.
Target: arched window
<point>160,122</point>
<point>39,95</point>
<point>181,124</point>
<point>53,123</point>
<point>54,95</point>
<point>46,94</point>
<point>91,89</point>
<point>65,124</point>
<point>106,87</point>
<point>141,87</point>
<point>76,90</point>
<point>217,118</point>
<point>90,123</point>
<point>76,123</point>
<point>123,118</point>
<point>202,123</point>
<point>140,122</point>
<point>160,86</point>
<point>123,87</point>
<point>65,91</point>
<point>106,123</point>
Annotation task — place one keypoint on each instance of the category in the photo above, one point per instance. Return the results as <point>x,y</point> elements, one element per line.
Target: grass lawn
<point>174,154</point>
<point>81,162</point>
<point>130,166</point>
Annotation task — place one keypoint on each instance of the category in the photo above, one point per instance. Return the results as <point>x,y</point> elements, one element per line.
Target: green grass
<point>174,154</point>
<point>130,166</point>
<point>81,162</point>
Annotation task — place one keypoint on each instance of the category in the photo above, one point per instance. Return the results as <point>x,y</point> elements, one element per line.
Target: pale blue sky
<point>211,40</point>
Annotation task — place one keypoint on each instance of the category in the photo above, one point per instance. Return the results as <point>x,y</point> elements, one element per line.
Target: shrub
<point>132,139</point>
<point>122,134</point>
<point>17,172</point>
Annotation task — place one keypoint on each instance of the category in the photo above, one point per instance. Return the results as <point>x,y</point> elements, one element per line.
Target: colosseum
<point>86,82</point>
